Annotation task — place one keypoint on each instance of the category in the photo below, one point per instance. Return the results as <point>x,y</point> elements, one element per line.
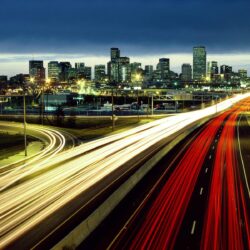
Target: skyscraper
<point>118,67</point>
<point>123,69</point>
<point>163,68</point>
<point>149,71</point>
<point>64,74</point>
<point>114,54</point>
<point>88,73</point>
<point>80,66</point>
<point>226,71</point>
<point>199,63</point>
<point>212,70</point>
<point>54,70</point>
<point>186,72</point>
<point>37,71</point>
<point>100,72</point>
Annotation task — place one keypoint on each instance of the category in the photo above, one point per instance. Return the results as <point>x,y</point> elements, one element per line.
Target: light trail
<point>227,219</point>
<point>55,142</point>
<point>241,157</point>
<point>66,175</point>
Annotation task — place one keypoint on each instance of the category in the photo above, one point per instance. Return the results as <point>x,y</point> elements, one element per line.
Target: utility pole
<point>42,103</point>
<point>24,123</point>
<point>138,118</point>
<point>152,105</point>
<point>113,118</point>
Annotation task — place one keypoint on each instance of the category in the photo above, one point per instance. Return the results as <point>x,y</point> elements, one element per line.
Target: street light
<point>113,118</point>
<point>48,81</point>
<point>24,122</point>
<point>137,94</point>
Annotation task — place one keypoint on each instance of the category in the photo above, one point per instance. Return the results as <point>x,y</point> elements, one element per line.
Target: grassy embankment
<point>11,144</point>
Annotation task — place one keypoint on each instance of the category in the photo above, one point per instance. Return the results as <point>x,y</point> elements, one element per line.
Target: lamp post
<point>113,118</point>
<point>138,78</point>
<point>137,97</point>
<point>152,105</point>
<point>48,81</point>
<point>24,122</point>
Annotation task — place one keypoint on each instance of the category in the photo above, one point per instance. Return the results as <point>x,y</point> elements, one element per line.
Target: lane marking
<point>241,157</point>
<point>210,157</point>
<point>193,227</point>
<point>206,170</point>
<point>201,192</point>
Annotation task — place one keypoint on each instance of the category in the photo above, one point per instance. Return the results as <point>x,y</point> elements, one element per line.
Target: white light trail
<point>28,200</point>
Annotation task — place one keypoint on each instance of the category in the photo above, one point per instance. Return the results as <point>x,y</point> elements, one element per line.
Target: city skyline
<point>12,64</point>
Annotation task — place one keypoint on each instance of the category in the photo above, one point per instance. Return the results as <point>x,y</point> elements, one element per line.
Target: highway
<point>54,142</point>
<point>204,202</point>
<point>30,197</point>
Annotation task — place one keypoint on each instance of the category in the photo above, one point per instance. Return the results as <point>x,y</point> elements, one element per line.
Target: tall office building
<point>148,72</point>
<point>123,69</point>
<point>186,72</point>
<point>54,70</point>
<point>118,67</point>
<point>134,67</point>
<point>37,71</point>
<point>227,72</point>
<point>114,54</point>
<point>199,63</point>
<point>212,70</point>
<point>163,68</point>
<point>100,72</point>
<point>80,67</point>
<point>135,70</point>
<point>64,74</point>
<point>88,73</point>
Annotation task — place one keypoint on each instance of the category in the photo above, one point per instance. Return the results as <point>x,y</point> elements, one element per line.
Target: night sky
<point>139,27</point>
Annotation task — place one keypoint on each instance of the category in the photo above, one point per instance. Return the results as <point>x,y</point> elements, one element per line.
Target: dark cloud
<point>139,26</point>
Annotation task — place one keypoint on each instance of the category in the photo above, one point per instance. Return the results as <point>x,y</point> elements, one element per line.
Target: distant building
<point>64,73</point>
<point>37,71</point>
<point>186,72</point>
<point>88,73</point>
<point>3,79</point>
<point>100,73</point>
<point>242,74</point>
<point>118,67</point>
<point>227,72</point>
<point>212,71</point>
<point>148,73</point>
<point>199,63</point>
<point>20,79</point>
<point>123,69</point>
<point>54,70</point>
<point>114,54</point>
<point>163,69</point>
<point>80,68</point>
<point>72,75</point>
<point>135,70</point>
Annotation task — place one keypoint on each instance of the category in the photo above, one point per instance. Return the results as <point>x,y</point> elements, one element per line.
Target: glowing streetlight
<point>48,81</point>
<point>32,79</point>
<point>138,77</point>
